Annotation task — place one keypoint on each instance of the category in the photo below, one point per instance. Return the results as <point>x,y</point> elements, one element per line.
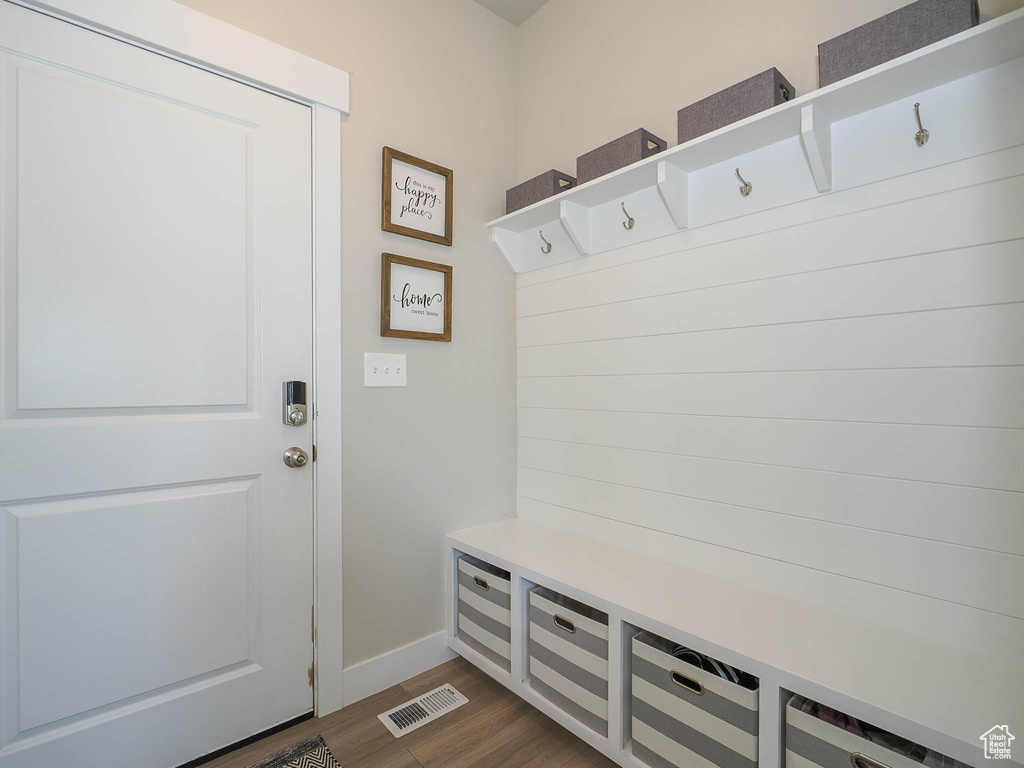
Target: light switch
<point>382,370</point>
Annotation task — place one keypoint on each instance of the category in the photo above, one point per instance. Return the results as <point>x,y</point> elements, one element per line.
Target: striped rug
<point>309,754</point>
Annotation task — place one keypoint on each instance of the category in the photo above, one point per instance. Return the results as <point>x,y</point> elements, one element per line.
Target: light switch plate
<point>382,370</point>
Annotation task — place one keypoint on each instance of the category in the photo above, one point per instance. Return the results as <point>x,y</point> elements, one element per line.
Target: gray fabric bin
<point>755,94</point>
<point>625,150</point>
<point>683,716</point>
<point>893,35</point>
<point>569,656</point>
<point>815,743</point>
<point>485,610</point>
<point>538,188</point>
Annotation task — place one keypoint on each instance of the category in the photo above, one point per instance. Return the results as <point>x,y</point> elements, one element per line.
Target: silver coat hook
<point>922,135</point>
<point>629,222</point>
<point>747,187</point>
<point>546,248</point>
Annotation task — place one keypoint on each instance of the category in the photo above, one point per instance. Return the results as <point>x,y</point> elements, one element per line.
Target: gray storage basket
<point>625,150</point>
<point>683,716</point>
<point>569,656</point>
<point>485,610</point>
<point>755,94</point>
<point>538,188</point>
<point>895,34</point>
<point>812,742</point>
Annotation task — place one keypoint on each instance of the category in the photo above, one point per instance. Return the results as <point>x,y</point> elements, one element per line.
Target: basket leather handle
<point>481,583</point>
<point>860,760</point>
<point>695,686</point>
<point>563,623</point>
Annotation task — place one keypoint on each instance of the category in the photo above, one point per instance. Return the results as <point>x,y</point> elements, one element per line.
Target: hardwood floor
<point>495,729</point>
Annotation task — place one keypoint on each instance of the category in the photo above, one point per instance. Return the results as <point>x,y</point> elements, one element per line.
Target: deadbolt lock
<point>294,397</point>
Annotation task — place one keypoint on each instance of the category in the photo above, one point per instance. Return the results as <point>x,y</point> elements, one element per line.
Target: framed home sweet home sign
<point>415,299</point>
<point>416,198</point>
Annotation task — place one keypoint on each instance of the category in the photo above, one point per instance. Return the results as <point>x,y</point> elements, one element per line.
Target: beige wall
<point>436,80</point>
<point>592,70</point>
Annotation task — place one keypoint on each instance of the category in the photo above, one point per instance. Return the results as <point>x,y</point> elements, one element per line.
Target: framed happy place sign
<point>415,299</point>
<point>417,198</point>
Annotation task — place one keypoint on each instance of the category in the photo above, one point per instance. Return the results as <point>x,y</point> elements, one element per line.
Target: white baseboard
<point>376,674</point>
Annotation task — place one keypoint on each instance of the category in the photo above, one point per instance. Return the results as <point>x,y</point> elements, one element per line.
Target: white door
<point>155,284</point>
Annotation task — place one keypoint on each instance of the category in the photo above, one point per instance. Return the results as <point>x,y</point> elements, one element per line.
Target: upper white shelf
<point>565,218</point>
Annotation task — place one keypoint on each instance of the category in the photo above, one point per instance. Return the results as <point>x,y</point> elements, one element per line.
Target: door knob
<point>296,458</point>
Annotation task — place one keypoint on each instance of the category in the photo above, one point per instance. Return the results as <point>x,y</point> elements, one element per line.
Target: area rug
<point>309,754</point>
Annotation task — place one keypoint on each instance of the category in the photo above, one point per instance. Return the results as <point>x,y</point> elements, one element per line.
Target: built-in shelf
<point>570,220</point>
<point>938,695</point>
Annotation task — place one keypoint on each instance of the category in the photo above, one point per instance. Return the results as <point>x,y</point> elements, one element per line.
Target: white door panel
<point>102,313</point>
<point>155,289</point>
<point>73,566</point>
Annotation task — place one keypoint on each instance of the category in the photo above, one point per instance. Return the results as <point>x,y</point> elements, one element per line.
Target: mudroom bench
<point>586,633</point>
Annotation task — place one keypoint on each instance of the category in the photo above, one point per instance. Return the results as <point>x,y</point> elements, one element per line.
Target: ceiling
<point>516,11</point>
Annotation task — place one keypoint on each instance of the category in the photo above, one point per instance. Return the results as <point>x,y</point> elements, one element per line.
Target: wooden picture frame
<point>413,202</point>
<point>419,304</point>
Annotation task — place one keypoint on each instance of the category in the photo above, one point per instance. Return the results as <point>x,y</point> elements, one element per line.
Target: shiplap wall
<point>824,399</point>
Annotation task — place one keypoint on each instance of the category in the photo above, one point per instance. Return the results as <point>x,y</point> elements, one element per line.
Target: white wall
<point>435,80</point>
<point>592,70</point>
<point>819,395</point>
<point>826,406</point>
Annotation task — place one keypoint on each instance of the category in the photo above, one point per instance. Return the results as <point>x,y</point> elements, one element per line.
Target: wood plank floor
<point>495,729</point>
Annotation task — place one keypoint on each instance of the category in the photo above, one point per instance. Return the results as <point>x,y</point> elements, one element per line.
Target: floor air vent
<point>410,716</point>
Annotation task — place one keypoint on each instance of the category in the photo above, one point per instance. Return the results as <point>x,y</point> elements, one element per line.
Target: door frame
<point>181,33</point>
